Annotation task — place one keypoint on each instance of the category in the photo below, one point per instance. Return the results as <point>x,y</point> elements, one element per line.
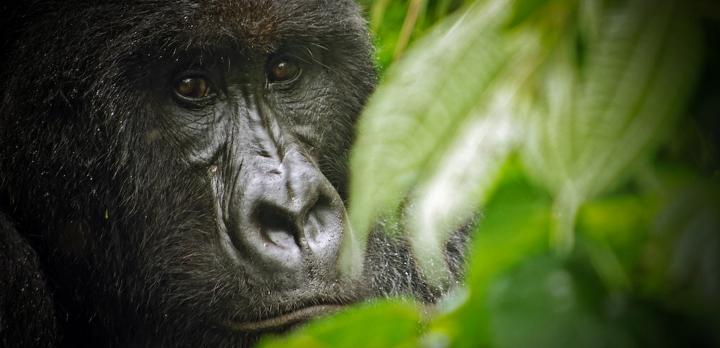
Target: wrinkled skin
<point>175,173</point>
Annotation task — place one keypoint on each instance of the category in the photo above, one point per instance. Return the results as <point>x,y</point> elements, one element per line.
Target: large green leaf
<point>449,198</point>
<point>418,110</point>
<point>604,116</point>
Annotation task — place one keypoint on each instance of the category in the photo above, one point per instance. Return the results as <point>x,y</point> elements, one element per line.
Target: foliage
<point>554,119</point>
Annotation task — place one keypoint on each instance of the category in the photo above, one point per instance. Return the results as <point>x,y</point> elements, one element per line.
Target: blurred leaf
<point>465,136</point>
<point>452,195</point>
<point>514,228</point>
<point>589,87</point>
<point>639,77</point>
<point>415,9</point>
<point>618,218</point>
<point>388,17</point>
<point>541,303</point>
<point>689,227</point>
<point>378,324</point>
<point>378,13</point>
<point>415,114</point>
<point>522,9</point>
<point>640,72</point>
<point>608,265</point>
<point>590,13</point>
<point>616,227</point>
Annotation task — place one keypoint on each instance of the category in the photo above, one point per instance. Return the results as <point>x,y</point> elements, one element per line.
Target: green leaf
<point>542,304</point>
<point>522,9</point>
<point>615,228</point>
<point>389,323</point>
<point>418,110</point>
<point>640,74</point>
<point>514,228</point>
<point>617,218</point>
<point>462,181</point>
<point>600,122</point>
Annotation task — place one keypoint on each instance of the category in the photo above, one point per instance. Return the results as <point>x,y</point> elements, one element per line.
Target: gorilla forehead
<point>259,25</point>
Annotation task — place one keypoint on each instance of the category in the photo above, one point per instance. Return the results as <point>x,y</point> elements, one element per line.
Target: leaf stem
<point>411,17</point>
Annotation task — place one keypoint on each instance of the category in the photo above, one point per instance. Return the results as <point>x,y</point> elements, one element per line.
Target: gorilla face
<point>252,125</point>
<point>180,167</point>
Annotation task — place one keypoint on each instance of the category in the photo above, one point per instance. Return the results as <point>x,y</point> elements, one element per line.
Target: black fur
<point>108,228</point>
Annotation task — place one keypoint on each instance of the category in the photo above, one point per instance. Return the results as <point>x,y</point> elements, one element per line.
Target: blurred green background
<point>585,135</point>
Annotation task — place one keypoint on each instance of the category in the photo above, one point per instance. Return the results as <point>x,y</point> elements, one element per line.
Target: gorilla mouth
<point>285,319</point>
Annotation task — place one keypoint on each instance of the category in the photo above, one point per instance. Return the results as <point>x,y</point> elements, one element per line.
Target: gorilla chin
<point>174,173</point>
<point>286,320</point>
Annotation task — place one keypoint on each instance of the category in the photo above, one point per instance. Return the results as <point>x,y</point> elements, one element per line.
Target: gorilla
<point>173,173</point>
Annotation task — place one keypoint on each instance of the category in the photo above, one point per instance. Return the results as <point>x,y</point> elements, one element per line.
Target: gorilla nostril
<point>276,225</point>
<point>322,220</point>
<point>322,203</point>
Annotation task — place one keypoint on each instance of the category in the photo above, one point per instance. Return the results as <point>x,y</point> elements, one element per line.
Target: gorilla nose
<point>293,219</point>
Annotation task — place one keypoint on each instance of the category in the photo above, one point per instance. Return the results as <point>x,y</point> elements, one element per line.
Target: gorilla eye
<point>195,87</point>
<point>283,70</point>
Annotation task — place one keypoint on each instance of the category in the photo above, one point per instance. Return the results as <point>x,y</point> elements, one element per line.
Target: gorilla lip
<point>285,319</point>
